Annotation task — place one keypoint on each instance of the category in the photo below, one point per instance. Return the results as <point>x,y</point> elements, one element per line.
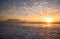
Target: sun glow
<point>49,19</point>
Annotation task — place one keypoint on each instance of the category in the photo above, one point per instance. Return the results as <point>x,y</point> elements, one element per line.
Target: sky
<point>30,10</point>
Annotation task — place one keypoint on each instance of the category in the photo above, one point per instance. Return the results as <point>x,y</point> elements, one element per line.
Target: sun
<point>49,19</point>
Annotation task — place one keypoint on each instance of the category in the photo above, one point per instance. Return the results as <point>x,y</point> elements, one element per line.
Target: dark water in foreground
<point>29,31</point>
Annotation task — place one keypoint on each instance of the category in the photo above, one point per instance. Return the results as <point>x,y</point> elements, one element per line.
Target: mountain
<point>13,20</point>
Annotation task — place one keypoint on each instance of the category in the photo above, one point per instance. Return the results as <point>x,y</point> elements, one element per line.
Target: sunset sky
<point>30,10</point>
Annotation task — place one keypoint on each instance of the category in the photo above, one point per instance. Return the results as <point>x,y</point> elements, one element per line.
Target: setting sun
<point>48,19</point>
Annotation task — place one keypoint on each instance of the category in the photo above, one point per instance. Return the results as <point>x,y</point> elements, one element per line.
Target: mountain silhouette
<point>13,20</point>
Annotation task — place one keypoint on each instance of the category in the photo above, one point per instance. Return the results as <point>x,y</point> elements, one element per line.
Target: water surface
<point>29,31</point>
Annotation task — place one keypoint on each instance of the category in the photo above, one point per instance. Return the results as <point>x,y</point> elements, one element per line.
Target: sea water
<point>29,31</point>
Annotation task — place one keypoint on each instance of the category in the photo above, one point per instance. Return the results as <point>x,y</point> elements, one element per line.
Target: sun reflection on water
<point>47,25</point>
<point>51,25</point>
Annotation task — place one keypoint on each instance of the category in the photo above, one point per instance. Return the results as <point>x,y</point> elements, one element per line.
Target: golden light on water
<point>48,20</point>
<point>46,25</point>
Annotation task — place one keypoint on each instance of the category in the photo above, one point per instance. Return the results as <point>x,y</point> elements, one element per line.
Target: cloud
<point>28,8</point>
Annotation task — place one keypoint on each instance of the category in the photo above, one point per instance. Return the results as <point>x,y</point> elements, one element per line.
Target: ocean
<point>29,31</point>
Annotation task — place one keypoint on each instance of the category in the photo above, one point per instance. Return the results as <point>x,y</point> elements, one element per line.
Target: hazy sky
<point>29,9</point>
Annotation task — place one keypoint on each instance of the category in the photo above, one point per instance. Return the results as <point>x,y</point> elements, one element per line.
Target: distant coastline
<point>19,21</point>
